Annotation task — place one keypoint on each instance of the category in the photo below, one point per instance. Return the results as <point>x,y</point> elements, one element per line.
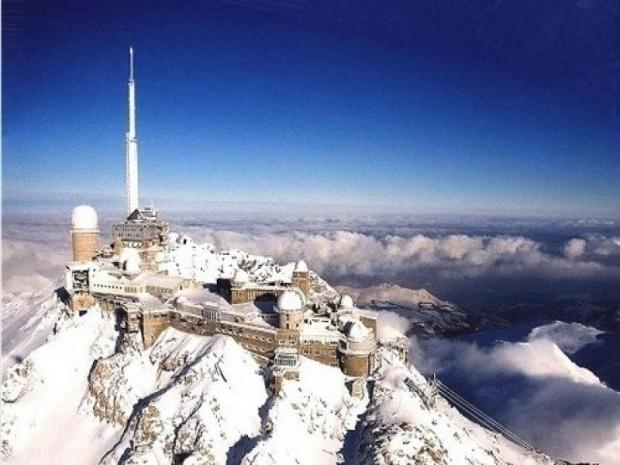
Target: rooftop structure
<point>84,233</point>
<point>84,217</point>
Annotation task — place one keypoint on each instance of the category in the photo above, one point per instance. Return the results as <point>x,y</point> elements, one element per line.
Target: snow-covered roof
<point>158,280</point>
<point>240,277</point>
<point>346,301</point>
<point>319,328</point>
<point>131,258</point>
<point>84,217</point>
<point>202,296</point>
<point>290,301</point>
<point>151,303</point>
<point>356,331</point>
<point>301,266</point>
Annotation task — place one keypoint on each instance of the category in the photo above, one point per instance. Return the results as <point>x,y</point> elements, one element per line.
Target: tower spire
<point>131,63</point>
<point>131,144</point>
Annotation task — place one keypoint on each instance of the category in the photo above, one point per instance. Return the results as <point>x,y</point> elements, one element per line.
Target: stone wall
<point>301,280</point>
<point>260,341</point>
<point>323,353</point>
<point>291,320</point>
<point>85,245</point>
<point>243,294</point>
<point>257,340</point>
<point>355,365</point>
<point>287,338</point>
<point>153,325</point>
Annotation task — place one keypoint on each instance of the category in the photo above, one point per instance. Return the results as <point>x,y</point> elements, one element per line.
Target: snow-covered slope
<point>405,425</point>
<point>307,422</point>
<point>427,314</point>
<point>28,318</point>
<point>43,416</point>
<point>203,262</point>
<point>195,398</point>
<point>87,396</point>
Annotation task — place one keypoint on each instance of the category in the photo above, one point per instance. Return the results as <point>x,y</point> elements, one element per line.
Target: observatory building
<point>84,233</point>
<point>154,279</point>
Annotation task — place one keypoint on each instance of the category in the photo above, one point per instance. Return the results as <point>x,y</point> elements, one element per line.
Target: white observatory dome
<point>240,278</point>
<point>301,266</point>
<point>357,332</point>
<point>290,301</point>
<point>130,258</point>
<point>346,301</point>
<point>84,217</point>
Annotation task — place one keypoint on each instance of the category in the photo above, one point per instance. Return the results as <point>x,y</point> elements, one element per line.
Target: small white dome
<point>240,277</point>
<point>346,301</point>
<point>357,332</point>
<point>290,301</point>
<point>301,266</point>
<point>84,217</point>
<point>130,258</point>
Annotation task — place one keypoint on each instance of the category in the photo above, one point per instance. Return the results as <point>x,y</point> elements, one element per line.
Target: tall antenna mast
<point>131,144</point>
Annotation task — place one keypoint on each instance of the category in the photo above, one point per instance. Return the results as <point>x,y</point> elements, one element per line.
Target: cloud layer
<point>368,253</point>
<point>346,255</point>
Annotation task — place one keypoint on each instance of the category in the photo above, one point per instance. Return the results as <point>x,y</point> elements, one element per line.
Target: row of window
<point>323,342</point>
<point>318,351</point>
<point>107,286</point>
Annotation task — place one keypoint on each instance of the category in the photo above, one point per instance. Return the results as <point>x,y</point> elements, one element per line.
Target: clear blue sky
<point>433,107</point>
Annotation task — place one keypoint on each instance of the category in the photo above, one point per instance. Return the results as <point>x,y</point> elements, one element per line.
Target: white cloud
<point>536,390</point>
<point>391,326</point>
<point>570,337</point>
<point>29,266</point>
<point>538,358</point>
<point>373,256</point>
<point>344,253</point>
<point>575,248</point>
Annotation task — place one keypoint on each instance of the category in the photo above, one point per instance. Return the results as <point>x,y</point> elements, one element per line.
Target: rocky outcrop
<point>17,381</point>
<point>202,396</point>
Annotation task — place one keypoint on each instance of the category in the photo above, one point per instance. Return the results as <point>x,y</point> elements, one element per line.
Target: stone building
<point>270,319</point>
<point>240,289</point>
<point>291,310</point>
<point>301,277</point>
<point>84,233</point>
<point>142,230</point>
<point>357,350</point>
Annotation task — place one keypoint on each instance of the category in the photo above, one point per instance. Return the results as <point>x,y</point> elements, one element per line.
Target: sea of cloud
<point>442,254</point>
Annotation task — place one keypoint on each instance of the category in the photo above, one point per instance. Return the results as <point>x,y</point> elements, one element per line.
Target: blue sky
<point>431,107</point>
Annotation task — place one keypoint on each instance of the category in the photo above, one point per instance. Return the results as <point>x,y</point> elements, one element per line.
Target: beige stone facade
<point>326,353</point>
<point>250,294</point>
<point>301,280</point>
<point>85,244</point>
<point>356,365</point>
<point>153,324</point>
<point>291,320</point>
